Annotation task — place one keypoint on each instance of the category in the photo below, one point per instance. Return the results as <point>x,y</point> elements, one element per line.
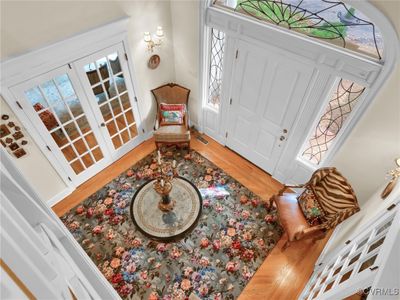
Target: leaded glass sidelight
<point>216,67</point>
<point>344,98</point>
<point>331,21</point>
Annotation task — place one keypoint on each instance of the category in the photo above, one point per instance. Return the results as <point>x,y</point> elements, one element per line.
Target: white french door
<point>56,106</point>
<point>356,266</point>
<point>108,85</point>
<point>85,112</point>
<point>267,91</point>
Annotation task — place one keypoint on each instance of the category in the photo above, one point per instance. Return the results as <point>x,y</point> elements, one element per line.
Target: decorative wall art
<point>14,146</point>
<point>17,135</point>
<point>154,61</point>
<point>19,152</point>
<point>4,131</point>
<point>10,137</point>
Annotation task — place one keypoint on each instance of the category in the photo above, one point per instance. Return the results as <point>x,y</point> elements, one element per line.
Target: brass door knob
<point>285,130</point>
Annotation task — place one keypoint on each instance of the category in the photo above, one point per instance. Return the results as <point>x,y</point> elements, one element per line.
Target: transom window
<point>343,99</point>
<point>328,20</point>
<point>216,67</point>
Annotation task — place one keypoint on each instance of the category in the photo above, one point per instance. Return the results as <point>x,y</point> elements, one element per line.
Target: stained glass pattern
<point>216,67</point>
<point>343,100</point>
<point>332,21</point>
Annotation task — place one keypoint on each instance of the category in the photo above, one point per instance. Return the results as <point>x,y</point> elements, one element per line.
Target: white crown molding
<point>23,67</point>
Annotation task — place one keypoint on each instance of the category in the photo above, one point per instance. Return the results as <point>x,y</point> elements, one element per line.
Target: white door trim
<point>78,67</point>
<point>329,60</point>
<point>19,69</point>
<point>40,128</point>
<point>39,61</point>
<point>351,256</point>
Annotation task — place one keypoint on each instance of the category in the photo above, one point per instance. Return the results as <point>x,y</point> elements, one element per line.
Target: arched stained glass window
<point>328,20</point>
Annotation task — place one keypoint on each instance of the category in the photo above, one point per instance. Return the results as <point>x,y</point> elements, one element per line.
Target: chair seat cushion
<point>290,215</point>
<point>311,208</point>
<point>172,133</point>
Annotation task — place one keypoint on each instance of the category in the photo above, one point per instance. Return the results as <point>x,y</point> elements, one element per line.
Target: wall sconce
<point>156,41</point>
<point>394,174</point>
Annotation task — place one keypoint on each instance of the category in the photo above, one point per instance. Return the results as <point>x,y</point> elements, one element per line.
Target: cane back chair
<point>177,134</point>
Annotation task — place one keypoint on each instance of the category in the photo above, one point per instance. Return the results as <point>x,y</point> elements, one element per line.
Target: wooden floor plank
<point>283,274</point>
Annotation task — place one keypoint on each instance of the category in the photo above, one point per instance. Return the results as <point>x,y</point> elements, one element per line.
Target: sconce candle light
<point>394,174</point>
<point>156,41</point>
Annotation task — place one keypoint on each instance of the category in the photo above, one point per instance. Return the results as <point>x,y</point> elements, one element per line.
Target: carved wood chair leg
<point>286,245</point>
<point>319,237</point>
<point>271,202</point>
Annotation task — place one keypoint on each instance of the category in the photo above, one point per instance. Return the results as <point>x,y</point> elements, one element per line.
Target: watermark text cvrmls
<point>380,291</point>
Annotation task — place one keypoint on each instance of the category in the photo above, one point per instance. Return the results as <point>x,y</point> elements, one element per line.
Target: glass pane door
<point>57,111</point>
<point>111,93</point>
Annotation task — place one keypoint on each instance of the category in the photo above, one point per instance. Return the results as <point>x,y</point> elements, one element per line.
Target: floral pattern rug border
<point>215,261</point>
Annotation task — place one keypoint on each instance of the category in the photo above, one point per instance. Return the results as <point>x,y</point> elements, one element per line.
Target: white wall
<point>28,25</point>
<point>49,183</point>
<point>185,24</point>
<point>371,148</point>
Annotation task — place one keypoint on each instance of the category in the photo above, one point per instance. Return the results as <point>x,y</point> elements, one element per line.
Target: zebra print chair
<point>327,200</point>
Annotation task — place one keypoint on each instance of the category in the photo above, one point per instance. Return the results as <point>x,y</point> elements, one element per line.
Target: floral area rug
<point>215,261</point>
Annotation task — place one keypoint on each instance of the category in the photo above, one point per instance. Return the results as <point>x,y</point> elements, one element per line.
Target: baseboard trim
<point>148,135</point>
<point>57,198</point>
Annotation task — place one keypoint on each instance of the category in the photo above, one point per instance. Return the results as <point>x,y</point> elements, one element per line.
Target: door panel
<point>56,106</point>
<point>106,77</point>
<point>268,89</point>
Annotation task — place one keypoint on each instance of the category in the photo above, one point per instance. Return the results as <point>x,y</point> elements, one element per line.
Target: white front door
<point>267,91</point>
<point>106,79</point>
<point>56,105</point>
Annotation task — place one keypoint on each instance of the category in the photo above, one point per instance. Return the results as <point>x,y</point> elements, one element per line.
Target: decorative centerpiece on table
<point>163,183</point>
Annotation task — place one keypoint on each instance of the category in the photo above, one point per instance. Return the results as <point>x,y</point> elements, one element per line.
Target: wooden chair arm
<point>311,232</point>
<point>285,187</point>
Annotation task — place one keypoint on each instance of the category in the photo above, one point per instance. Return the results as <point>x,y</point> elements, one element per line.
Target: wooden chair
<point>333,199</point>
<point>172,93</point>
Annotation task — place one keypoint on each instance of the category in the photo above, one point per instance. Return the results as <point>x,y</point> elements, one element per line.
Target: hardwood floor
<point>283,274</point>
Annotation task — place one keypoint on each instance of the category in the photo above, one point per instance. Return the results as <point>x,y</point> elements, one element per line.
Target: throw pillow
<point>172,117</point>
<point>172,114</point>
<point>310,207</point>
